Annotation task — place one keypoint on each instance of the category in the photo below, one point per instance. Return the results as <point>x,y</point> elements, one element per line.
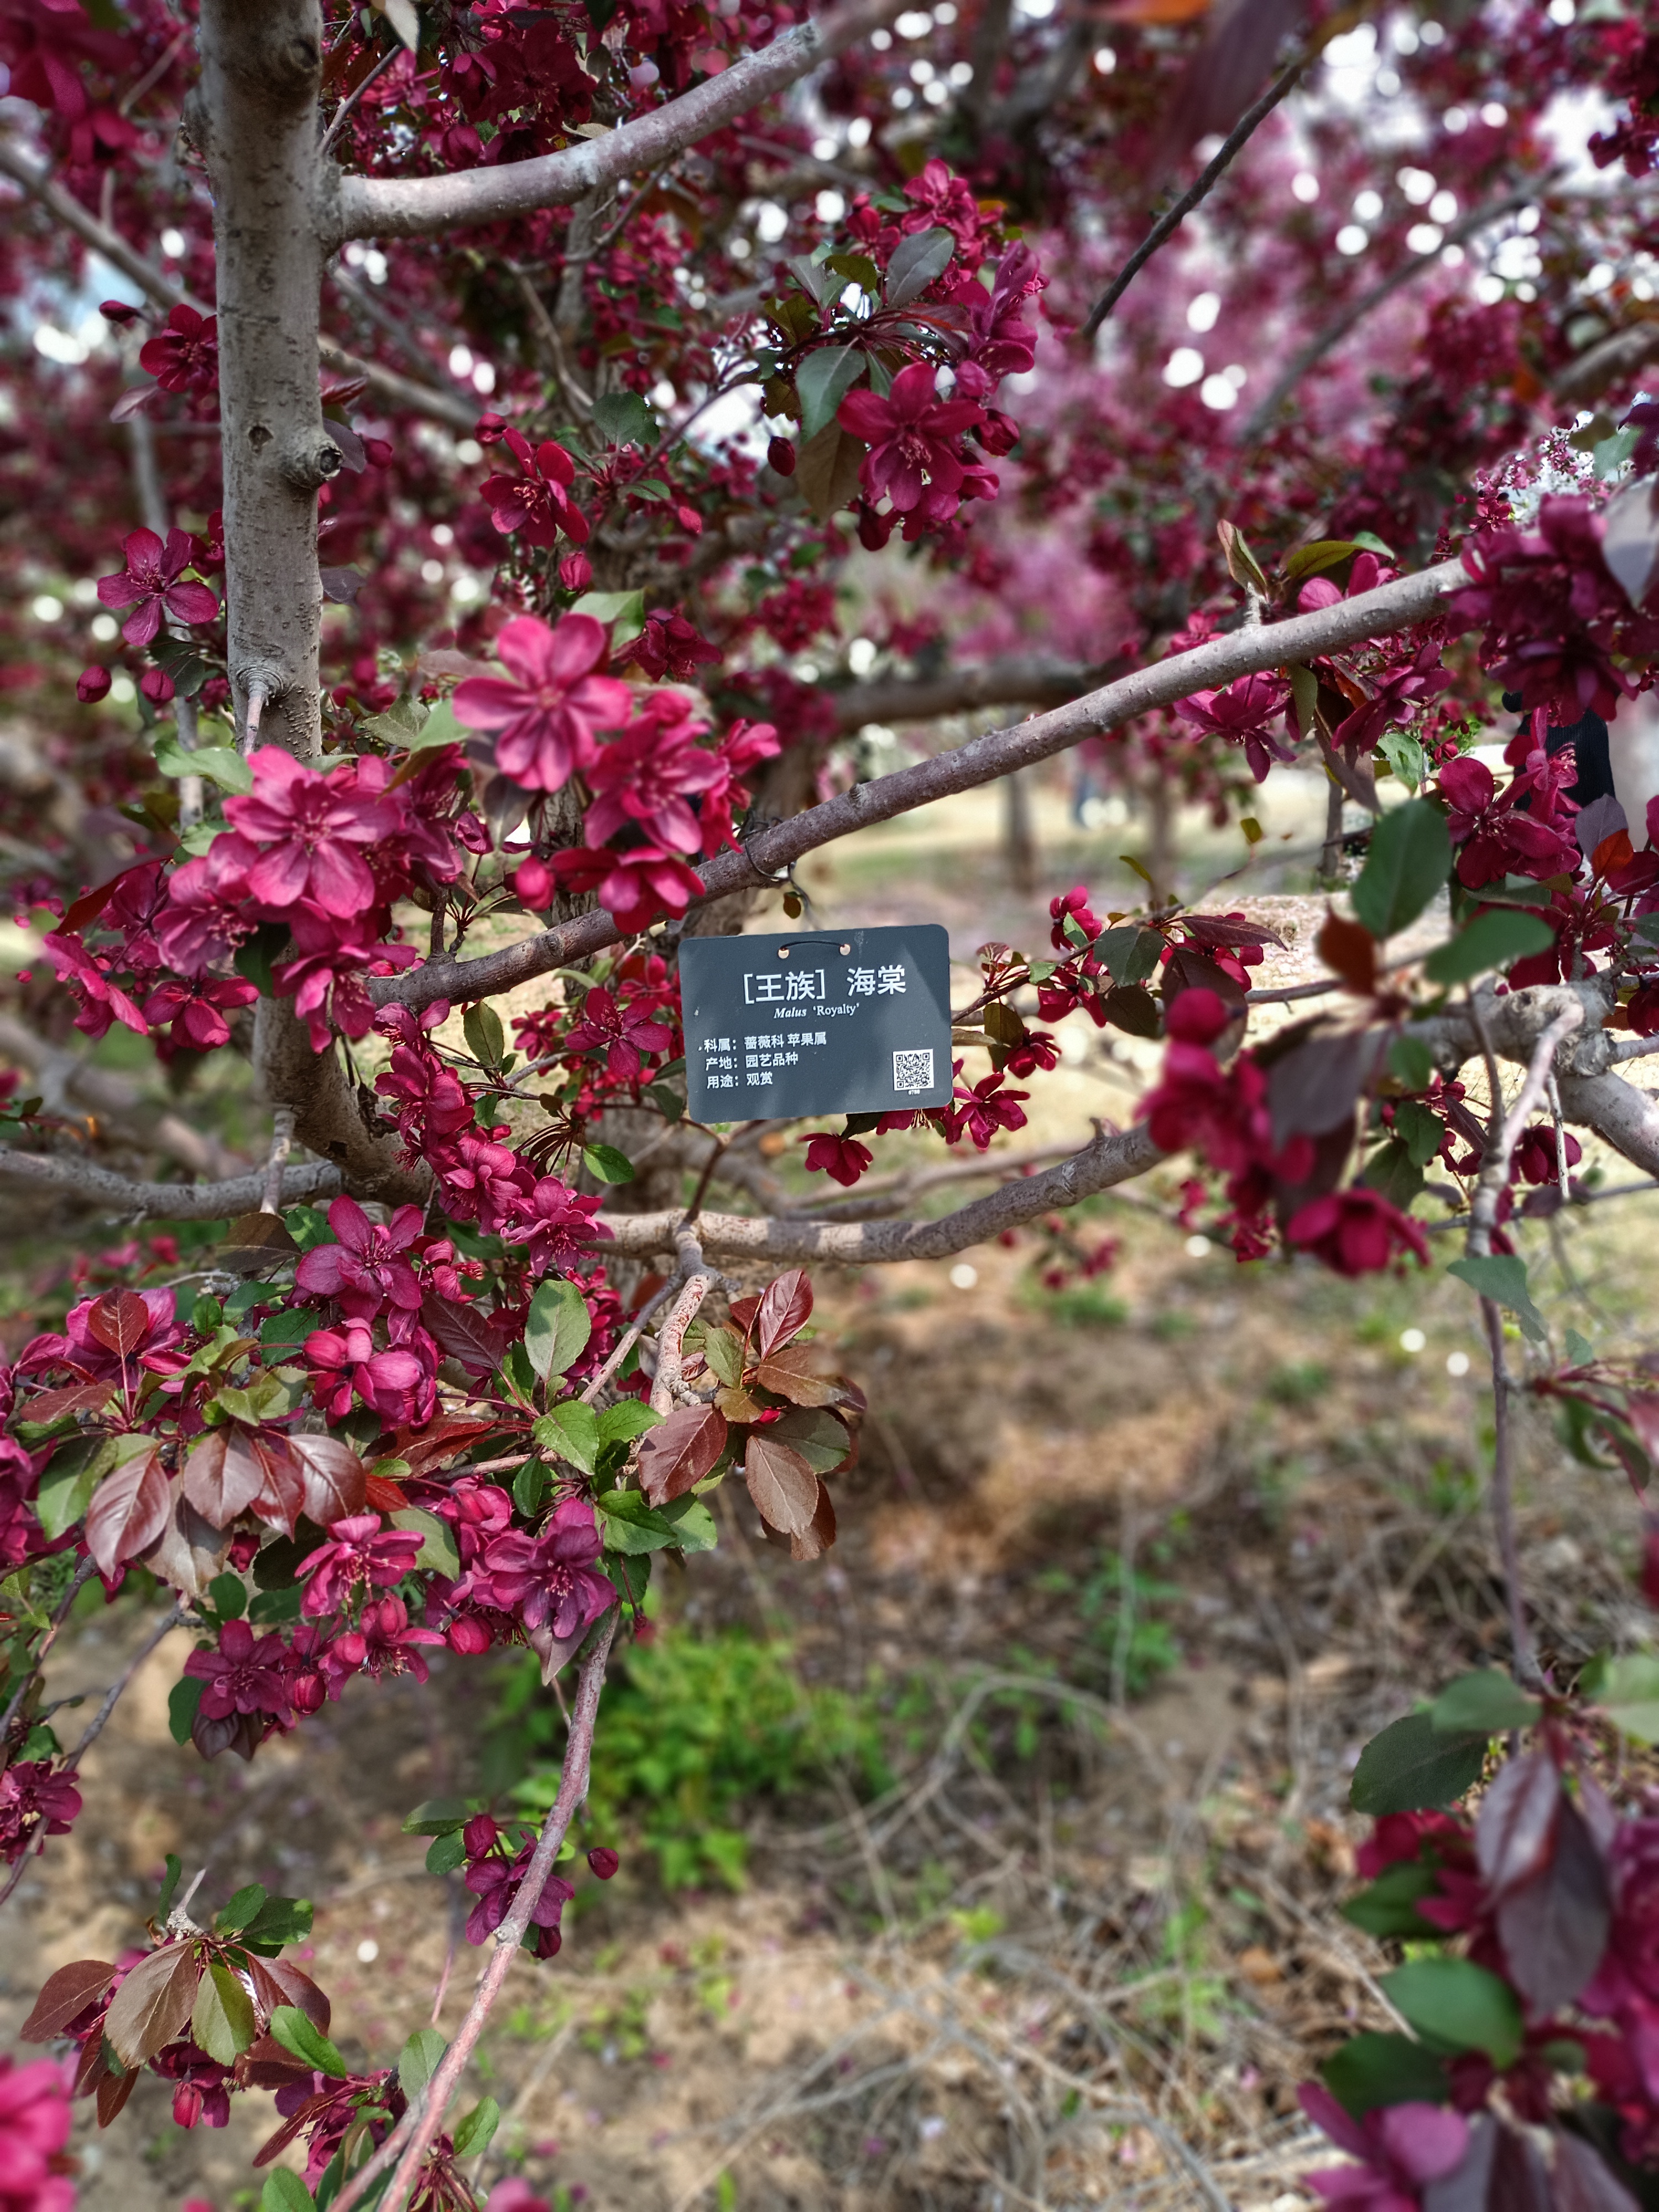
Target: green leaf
<point>420,2060</point>
<point>472,2134</point>
<point>222,2019</point>
<point>279,1920</point>
<point>228,1594</point>
<point>486,1039</point>
<point>439,728</point>
<point>1403,755</point>
<point>1495,938</point>
<point>1411,1063</point>
<point>569,1432</point>
<point>824,380</point>
<point>437,1551</point>
<point>1304,695</point>
<point>240,1910</point>
<point>627,1418</point>
<point>918,261</point>
<point>1455,2005</point>
<point>1129,951</point>
<point>605,1162</point>
<point>631,1526</point>
<point>287,1330</point>
<point>623,613</point>
<point>438,1816</point>
<point>1628,1692</point>
<point>1388,1906</point>
<point>1419,1129</point>
<point>1580,1351</point>
<point>307,2042</point>
<point>1373,2070</point>
<point>530,1485</point>
<point>1412,1767</point>
<point>1409,858</point>
<point>73,1472</point>
<point>623,418</point>
<point>1486,1700</point>
<point>446,1853</point>
<point>220,764</point>
<point>169,1885</point>
<point>557,1327</point>
<point>1391,1170</point>
<point>182,1700</point>
<point>1504,1280</point>
<point>692,1524</point>
<point>284,2191</point>
<point>1308,560</point>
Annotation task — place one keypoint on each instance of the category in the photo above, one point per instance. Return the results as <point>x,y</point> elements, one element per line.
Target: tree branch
<point>766,855</point>
<point>399,391</point>
<point>165,1201</point>
<point>959,690</point>
<point>405,207</point>
<point>1337,329</point>
<point>415,2132</point>
<point>1114,1156</point>
<point>1170,221</point>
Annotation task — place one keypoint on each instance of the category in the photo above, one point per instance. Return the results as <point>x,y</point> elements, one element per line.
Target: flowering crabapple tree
<point>404,701</point>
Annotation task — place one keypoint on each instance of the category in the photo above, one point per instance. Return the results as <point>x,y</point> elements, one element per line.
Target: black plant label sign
<point>851,1021</point>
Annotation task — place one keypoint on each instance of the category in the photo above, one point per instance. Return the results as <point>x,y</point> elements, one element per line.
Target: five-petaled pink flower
<point>309,828</point>
<point>34,2131</point>
<point>195,1007</point>
<point>626,1034</point>
<point>843,1159</point>
<point>150,584</point>
<point>183,356</point>
<point>367,1270</point>
<point>912,436</point>
<point>549,709</point>
<point>1357,1231</point>
<point>1400,2148</point>
<point>645,775</point>
<point>359,1552</point>
<point>535,502</point>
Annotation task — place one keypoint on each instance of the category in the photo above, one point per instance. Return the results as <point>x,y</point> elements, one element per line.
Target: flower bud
<point>306,1693</point>
<point>156,685</point>
<point>491,429</point>
<point>377,451</point>
<point>604,1861</point>
<point>92,684</point>
<point>781,455</point>
<point>1197,1016</point>
<point>468,1635</point>
<point>575,572</point>
<point>874,529</point>
<point>479,1835</point>
<point>186,2105</point>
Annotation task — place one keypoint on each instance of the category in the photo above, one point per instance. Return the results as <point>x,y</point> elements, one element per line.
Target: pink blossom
<point>397,1383</point>
<point>626,1034</point>
<point>1357,1231</point>
<point>547,1579</point>
<point>359,1554</point>
<point>553,1225</point>
<point>309,828</point>
<point>634,887</point>
<point>35,1802</point>
<point>843,1159</point>
<point>644,775</point>
<point>243,1675</point>
<point>1401,2147</point>
<point>34,2130</point>
<point>366,1270</point>
<point>150,584</point>
<point>184,354</point>
<point>913,458</point>
<point>743,748</point>
<point>195,1007</point>
<point>535,501</point>
<point>205,918</point>
<point>549,716</point>
<point>88,974</point>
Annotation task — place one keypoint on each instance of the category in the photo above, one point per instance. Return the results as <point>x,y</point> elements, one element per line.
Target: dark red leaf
<point>275,1982</point>
<point>129,1509</point>
<point>190,1550</point>
<point>1582,2183</point>
<point>1554,1929</point>
<point>225,1473</point>
<point>785,1307</point>
<point>1187,971</point>
<point>1221,929</point>
<point>784,1488</point>
<point>266,2065</point>
<point>1515,1828</point>
<point>237,1732</point>
<point>792,1375</point>
<point>1132,1007</point>
<point>73,1398</point>
<point>677,1456</point>
<point>333,1476</point>
<point>112,2093</point>
<point>1519,2182</point>
<point>434,1447</point>
<point>743,1312</point>
<point>816,1539</point>
<point>283,1499</point>
<point>478,1339</point>
<point>1348,951</point>
<point>120,1322</point>
<point>153,2005</point>
<point>1316,1085</point>
<point>66,1995</point>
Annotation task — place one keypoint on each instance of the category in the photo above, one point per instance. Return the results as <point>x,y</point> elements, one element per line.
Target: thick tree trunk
<point>254,117</point>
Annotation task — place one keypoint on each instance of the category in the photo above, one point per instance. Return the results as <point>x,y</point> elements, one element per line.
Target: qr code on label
<point>913,1071</point>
